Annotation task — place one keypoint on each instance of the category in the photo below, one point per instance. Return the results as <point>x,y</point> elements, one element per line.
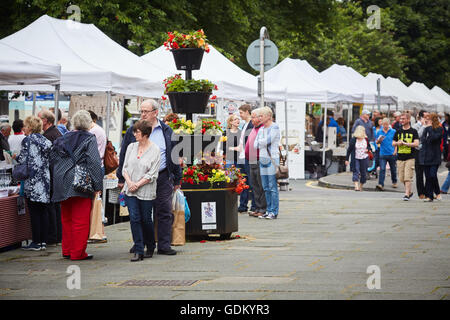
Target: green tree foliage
<point>412,43</point>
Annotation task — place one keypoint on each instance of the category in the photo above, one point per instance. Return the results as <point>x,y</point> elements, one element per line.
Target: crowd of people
<point>411,151</point>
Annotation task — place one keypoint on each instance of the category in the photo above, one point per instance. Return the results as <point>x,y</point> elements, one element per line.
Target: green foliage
<point>412,43</point>
<point>178,84</point>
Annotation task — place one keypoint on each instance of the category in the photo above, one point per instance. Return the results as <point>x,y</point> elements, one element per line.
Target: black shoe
<point>137,257</point>
<point>132,249</point>
<point>66,256</point>
<point>169,252</point>
<point>148,254</point>
<point>88,257</point>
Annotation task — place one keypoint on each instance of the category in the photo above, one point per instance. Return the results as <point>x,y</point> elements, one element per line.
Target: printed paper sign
<point>208,212</point>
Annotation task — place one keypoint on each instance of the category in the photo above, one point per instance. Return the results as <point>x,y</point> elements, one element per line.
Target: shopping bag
<point>96,226</point>
<point>178,229</point>
<point>123,212</point>
<point>178,201</point>
<point>187,211</point>
<point>178,226</point>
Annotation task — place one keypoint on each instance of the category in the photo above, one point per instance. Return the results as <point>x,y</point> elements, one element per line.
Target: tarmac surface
<point>326,244</point>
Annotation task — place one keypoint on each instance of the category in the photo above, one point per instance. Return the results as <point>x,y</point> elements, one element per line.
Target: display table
<point>14,228</point>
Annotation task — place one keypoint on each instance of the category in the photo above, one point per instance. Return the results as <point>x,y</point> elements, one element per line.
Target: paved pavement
<point>320,247</point>
<point>343,180</point>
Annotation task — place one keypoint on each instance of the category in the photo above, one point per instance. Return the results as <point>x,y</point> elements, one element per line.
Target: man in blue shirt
<point>168,178</point>
<point>384,138</point>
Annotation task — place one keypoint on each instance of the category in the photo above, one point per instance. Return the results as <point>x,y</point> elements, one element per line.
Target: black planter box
<point>223,219</point>
<point>188,58</point>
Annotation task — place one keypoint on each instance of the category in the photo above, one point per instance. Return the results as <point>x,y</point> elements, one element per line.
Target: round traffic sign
<point>270,54</point>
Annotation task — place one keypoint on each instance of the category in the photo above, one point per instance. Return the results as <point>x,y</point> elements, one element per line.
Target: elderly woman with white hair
<point>76,176</point>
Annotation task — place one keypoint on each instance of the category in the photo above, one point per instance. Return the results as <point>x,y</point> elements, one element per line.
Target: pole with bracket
<point>57,87</point>
<point>263,34</point>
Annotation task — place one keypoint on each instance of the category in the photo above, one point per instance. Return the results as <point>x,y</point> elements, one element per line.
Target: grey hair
<point>257,111</point>
<point>385,120</point>
<point>82,120</point>
<point>151,102</point>
<point>4,125</point>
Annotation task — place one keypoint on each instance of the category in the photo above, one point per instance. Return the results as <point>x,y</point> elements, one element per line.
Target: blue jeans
<point>446,184</point>
<point>141,223</point>
<point>360,170</point>
<point>243,199</point>
<point>270,186</point>
<point>392,164</point>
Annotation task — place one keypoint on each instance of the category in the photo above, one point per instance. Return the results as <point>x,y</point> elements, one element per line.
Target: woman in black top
<point>430,155</point>
<point>231,145</point>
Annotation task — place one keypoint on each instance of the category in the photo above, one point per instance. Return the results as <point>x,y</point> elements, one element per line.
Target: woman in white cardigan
<point>140,171</point>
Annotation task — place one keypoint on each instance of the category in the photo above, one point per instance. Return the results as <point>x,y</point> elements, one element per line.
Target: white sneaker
<point>264,215</point>
<point>271,216</point>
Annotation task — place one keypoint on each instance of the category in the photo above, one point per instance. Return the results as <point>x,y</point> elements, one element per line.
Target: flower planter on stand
<point>214,209</point>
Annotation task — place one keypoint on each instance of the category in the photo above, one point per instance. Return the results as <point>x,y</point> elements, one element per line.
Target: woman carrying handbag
<point>358,151</point>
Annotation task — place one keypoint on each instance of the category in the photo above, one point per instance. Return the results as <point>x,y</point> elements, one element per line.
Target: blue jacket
<point>174,168</point>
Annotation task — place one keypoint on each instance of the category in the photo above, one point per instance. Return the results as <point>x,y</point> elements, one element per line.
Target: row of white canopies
<point>79,58</point>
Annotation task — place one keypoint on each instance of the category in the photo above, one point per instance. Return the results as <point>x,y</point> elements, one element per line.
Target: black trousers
<point>54,219</point>
<point>420,184</point>
<point>39,221</point>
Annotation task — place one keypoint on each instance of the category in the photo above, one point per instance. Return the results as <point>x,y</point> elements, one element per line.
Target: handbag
<point>110,159</point>
<point>96,231</point>
<point>82,181</point>
<point>20,171</point>
<point>369,151</point>
<point>282,170</point>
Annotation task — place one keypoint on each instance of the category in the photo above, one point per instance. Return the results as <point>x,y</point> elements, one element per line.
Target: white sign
<point>208,212</point>
<point>296,112</point>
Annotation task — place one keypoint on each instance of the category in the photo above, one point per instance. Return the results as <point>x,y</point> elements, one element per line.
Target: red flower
<point>175,45</point>
<point>163,97</point>
<point>215,87</point>
<point>203,130</point>
<point>213,97</point>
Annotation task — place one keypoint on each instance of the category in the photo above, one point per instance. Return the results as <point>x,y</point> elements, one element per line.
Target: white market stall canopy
<point>425,92</point>
<point>355,83</point>
<point>19,68</point>
<point>232,81</point>
<point>90,61</point>
<point>303,83</point>
<point>442,96</point>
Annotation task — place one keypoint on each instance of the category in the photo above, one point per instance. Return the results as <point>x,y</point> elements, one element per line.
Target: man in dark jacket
<point>54,209</point>
<point>168,179</point>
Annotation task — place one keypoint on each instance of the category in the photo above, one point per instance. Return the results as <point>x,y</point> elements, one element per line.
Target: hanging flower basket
<point>189,102</point>
<point>188,96</point>
<point>188,58</point>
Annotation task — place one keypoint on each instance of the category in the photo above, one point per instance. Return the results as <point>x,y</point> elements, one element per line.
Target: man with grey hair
<point>5,131</point>
<point>252,155</point>
<point>364,121</point>
<point>168,178</point>
<point>384,138</point>
<point>53,208</point>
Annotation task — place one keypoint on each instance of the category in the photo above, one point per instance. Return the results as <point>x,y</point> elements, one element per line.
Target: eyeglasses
<point>147,111</point>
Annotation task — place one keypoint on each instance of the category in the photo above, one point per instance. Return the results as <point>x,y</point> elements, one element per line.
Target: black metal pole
<point>188,76</point>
